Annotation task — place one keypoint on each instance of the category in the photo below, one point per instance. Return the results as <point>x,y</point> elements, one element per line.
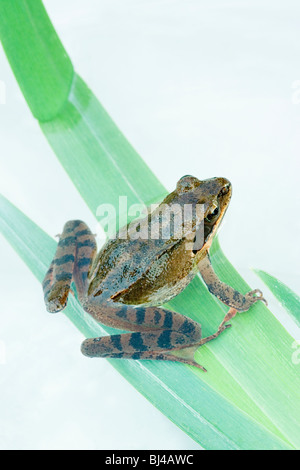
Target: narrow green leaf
<point>193,405</point>
<point>96,153</point>
<point>288,299</point>
<point>36,55</point>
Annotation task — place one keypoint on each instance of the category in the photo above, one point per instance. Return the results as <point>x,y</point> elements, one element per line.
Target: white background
<point>201,88</point>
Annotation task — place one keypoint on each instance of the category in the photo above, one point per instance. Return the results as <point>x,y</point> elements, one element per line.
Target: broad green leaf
<point>193,405</point>
<point>250,368</point>
<point>288,299</point>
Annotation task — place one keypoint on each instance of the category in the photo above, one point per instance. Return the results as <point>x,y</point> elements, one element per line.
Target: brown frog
<point>124,284</point>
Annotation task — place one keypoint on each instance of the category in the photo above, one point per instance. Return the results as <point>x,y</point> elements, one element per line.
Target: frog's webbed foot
<point>74,254</point>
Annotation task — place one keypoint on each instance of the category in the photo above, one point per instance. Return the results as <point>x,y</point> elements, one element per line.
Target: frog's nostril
<point>224,190</point>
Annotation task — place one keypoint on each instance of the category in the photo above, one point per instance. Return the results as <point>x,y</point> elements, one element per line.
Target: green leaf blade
<point>93,151</point>
<point>39,61</point>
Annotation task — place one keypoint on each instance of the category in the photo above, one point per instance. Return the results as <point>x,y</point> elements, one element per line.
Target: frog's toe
<point>256,292</point>
<point>256,295</point>
<point>55,302</point>
<point>54,306</point>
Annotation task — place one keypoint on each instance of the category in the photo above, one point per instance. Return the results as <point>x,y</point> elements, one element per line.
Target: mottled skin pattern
<point>125,284</point>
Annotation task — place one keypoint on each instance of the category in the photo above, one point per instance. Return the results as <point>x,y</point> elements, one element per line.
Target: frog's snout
<point>224,183</point>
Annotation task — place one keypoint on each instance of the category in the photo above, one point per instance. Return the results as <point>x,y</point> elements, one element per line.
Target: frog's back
<point>139,272</point>
<point>151,265</point>
<point>121,263</point>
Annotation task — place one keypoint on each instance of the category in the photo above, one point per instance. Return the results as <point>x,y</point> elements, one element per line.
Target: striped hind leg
<point>155,333</point>
<point>74,254</point>
<point>163,345</point>
<point>158,334</point>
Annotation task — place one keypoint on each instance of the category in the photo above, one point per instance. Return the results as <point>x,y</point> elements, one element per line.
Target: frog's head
<point>213,195</point>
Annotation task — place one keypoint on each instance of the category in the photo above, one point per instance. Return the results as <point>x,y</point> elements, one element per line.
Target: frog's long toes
<point>199,366</point>
<point>257,293</point>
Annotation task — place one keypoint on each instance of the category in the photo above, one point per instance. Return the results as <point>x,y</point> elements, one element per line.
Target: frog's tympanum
<point>125,284</point>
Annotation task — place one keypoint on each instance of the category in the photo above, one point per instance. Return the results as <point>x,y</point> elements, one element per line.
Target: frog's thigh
<point>142,319</point>
<point>75,251</point>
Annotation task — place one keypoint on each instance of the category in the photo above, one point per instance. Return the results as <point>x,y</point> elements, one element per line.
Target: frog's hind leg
<point>75,252</point>
<point>165,345</point>
<point>156,333</point>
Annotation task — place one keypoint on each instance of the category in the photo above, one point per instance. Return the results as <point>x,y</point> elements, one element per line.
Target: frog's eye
<point>210,217</point>
<point>187,183</point>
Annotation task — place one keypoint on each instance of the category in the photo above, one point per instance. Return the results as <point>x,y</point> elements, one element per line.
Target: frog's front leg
<point>229,296</point>
<point>157,334</point>
<point>74,254</point>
